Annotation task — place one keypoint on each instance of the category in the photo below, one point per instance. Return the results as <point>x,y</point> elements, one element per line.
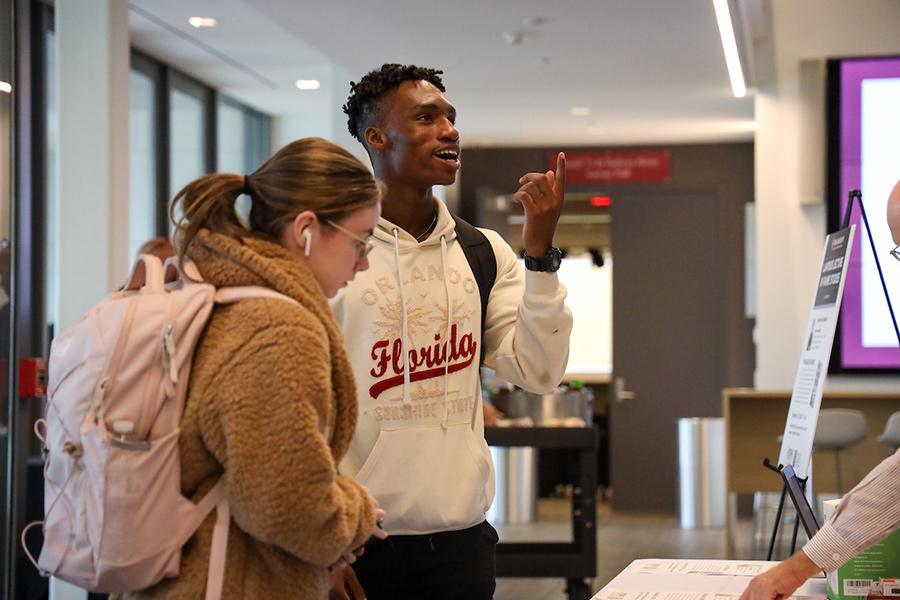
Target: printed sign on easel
<point>800,428</point>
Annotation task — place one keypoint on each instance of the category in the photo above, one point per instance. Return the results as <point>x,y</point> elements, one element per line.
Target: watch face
<point>550,262</point>
<point>555,259</point>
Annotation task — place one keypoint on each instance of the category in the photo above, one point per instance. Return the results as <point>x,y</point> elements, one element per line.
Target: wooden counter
<point>754,420</point>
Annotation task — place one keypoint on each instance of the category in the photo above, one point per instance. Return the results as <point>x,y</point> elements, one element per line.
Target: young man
<point>412,325</point>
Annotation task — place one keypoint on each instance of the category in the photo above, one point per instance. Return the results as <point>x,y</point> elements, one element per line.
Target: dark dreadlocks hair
<point>365,96</point>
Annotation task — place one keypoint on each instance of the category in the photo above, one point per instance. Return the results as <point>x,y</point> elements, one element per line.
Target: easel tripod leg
<point>777,523</point>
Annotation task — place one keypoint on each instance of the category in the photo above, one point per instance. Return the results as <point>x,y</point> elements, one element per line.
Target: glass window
<point>187,139</point>
<point>142,192</point>
<point>231,154</point>
<point>244,142</point>
<point>259,138</point>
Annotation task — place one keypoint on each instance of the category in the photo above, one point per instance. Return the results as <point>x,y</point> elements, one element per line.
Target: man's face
<point>893,213</point>
<point>422,140</point>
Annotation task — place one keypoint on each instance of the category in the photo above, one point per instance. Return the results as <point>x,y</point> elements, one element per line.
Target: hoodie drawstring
<point>404,328</point>
<point>445,407</point>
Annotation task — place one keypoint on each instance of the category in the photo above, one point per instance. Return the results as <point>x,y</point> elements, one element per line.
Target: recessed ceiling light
<point>5,87</point>
<point>597,129</point>
<point>202,21</point>
<point>580,111</point>
<point>307,84</point>
<point>513,38</point>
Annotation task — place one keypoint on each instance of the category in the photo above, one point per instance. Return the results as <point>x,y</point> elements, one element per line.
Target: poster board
<point>806,398</point>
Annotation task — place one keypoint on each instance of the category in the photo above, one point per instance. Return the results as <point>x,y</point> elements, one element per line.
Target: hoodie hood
<point>445,226</point>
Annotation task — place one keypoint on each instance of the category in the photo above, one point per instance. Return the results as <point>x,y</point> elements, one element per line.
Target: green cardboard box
<point>873,573</point>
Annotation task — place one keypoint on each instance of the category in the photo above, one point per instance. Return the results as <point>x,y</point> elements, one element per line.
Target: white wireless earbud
<point>308,235</point>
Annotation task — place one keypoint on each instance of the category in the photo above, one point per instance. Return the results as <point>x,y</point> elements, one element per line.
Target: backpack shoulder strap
<point>229,295</point>
<point>481,259</point>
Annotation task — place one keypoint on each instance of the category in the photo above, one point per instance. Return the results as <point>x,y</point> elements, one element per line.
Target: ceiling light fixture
<point>5,87</point>
<point>513,38</point>
<point>534,21</point>
<point>308,84</point>
<point>202,22</point>
<point>580,111</point>
<point>729,45</point>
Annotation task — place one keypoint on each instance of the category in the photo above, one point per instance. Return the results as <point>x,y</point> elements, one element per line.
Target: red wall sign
<point>639,166</point>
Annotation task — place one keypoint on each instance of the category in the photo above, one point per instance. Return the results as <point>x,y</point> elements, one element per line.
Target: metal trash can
<point>515,498</point>
<point>701,472</point>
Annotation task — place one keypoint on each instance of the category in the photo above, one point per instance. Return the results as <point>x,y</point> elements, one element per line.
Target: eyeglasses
<point>363,245</point>
<point>896,252</point>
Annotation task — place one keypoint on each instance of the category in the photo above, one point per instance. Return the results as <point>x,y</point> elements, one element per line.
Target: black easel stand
<point>768,464</point>
<point>862,209</point>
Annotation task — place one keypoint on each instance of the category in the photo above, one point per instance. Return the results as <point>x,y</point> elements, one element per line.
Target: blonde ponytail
<point>309,174</point>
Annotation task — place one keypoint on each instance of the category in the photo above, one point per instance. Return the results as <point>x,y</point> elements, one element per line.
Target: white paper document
<point>692,579</point>
<point>703,567</point>
<point>607,594</point>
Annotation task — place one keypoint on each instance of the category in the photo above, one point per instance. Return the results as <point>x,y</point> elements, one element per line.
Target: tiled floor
<point>620,540</point>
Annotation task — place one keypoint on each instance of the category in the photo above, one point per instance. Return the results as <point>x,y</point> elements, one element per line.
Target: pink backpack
<point>115,518</point>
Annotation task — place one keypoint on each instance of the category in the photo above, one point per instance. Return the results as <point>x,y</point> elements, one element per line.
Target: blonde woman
<point>272,399</point>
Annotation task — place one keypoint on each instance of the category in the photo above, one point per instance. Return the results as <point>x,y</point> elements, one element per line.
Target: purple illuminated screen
<point>869,161</point>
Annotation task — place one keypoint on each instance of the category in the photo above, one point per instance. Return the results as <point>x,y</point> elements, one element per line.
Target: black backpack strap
<point>482,261</point>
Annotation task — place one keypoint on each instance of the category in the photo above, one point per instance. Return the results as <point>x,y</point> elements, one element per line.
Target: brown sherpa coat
<point>272,404</point>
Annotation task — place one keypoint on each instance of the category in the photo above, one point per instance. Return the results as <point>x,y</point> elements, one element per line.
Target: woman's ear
<point>298,235</point>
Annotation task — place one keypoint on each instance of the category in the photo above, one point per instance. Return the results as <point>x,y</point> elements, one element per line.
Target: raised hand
<point>542,196</point>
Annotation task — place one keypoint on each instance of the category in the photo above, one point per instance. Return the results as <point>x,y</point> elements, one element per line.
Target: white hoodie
<point>412,328</point>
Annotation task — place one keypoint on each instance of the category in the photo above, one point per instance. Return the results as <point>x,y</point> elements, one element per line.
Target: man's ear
<point>893,212</point>
<point>375,138</point>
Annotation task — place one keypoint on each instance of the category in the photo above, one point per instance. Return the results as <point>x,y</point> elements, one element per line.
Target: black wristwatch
<point>548,263</point>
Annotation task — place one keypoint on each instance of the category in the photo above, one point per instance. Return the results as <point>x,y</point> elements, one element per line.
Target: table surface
<point>692,579</point>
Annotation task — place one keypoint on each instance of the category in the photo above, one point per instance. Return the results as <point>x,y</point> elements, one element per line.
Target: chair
<point>836,431</point>
<point>891,435</point>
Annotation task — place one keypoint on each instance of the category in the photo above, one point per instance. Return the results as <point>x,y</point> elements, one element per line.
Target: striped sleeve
<point>864,517</point>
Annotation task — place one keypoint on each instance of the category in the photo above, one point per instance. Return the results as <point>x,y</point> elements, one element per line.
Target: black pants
<point>451,565</point>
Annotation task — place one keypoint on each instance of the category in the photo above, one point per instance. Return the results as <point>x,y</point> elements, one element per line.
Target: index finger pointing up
<point>561,171</point>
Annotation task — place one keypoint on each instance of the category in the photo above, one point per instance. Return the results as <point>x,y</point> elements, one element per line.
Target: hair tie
<point>246,188</point>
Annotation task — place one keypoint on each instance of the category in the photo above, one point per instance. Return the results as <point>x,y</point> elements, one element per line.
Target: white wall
<point>92,58</point>
<point>790,235</point>
<point>327,100</point>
